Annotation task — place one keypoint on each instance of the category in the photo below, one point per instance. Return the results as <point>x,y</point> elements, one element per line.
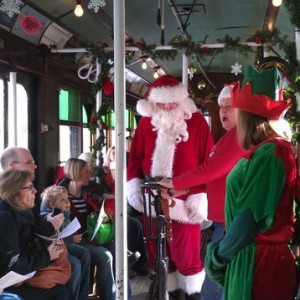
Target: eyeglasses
<point>29,188</point>
<point>28,162</point>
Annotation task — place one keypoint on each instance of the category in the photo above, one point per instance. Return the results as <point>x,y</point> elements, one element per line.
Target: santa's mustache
<point>170,123</point>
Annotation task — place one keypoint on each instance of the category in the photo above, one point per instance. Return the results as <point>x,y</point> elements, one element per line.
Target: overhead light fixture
<point>156,69</point>
<point>276,3</point>
<point>144,63</point>
<point>78,11</point>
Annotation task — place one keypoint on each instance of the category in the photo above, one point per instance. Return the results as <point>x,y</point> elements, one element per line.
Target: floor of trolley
<point>140,287</point>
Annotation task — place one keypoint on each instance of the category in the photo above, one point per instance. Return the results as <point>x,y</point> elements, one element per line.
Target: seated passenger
<point>18,245</point>
<point>19,158</point>
<point>56,197</point>
<point>135,234</point>
<point>82,204</point>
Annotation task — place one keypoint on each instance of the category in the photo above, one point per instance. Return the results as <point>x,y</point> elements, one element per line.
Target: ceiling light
<point>144,61</point>
<point>276,3</point>
<point>78,11</point>
<point>144,65</point>
<point>156,69</point>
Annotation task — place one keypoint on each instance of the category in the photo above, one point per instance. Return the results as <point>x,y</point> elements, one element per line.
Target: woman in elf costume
<point>253,260</point>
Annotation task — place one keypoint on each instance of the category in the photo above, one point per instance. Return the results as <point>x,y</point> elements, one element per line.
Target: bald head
<point>17,158</point>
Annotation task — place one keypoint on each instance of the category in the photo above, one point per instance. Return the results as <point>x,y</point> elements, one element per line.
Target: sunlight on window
<point>22,117</point>
<point>86,140</point>
<point>69,142</point>
<point>17,117</point>
<point>64,143</point>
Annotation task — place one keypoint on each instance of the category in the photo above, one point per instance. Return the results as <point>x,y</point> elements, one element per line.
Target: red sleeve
<point>222,159</point>
<point>109,180</point>
<point>137,151</point>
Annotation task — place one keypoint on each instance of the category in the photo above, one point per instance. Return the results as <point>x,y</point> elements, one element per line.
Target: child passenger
<point>57,198</point>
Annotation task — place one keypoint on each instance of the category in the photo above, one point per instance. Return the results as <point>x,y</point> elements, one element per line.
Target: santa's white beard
<point>171,124</point>
<point>171,129</point>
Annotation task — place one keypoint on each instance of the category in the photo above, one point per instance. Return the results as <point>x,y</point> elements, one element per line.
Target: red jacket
<point>213,172</point>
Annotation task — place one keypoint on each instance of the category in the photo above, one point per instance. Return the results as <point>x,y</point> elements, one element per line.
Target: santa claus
<point>171,138</point>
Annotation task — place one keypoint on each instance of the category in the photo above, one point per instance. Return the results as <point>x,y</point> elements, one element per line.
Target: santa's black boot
<point>195,296</point>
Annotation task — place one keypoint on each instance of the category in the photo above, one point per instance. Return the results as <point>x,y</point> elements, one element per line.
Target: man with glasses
<point>21,159</point>
<point>18,158</point>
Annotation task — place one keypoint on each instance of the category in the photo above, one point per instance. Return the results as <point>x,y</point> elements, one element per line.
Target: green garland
<point>97,125</point>
<point>191,47</point>
<point>104,59</point>
<point>293,8</point>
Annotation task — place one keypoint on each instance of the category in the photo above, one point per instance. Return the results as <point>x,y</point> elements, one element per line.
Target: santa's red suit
<point>155,153</point>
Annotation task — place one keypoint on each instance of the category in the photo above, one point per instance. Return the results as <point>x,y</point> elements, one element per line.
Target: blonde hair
<point>73,168</point>
<point>252,129</point>
<point>11,183</point>
<point>50,194</point>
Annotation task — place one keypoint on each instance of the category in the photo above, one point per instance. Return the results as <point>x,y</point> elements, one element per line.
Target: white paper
<point>100,219</point>
<point>67,231</point>
<point>12,278</point>
<point>70,229</point>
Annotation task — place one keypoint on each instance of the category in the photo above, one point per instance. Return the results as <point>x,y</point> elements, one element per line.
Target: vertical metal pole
<point>185,62</point>
<point>297,41</point>
<point>120,106</point>
<point>98,106</point>
<point>13,102</point>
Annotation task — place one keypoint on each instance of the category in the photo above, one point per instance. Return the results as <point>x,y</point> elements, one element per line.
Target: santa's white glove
<point>135,194</point>
<point>194,216</point>
<point>196,206</point>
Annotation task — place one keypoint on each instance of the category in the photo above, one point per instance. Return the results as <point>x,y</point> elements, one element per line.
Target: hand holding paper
<point>69,230</point>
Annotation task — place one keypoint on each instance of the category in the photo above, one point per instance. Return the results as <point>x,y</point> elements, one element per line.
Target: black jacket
<point>20,249</point>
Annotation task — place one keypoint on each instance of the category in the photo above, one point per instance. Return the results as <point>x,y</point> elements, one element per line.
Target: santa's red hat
<point>166,89</point>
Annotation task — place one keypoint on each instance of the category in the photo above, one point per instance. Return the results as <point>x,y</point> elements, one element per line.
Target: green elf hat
<point>261,93</point>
